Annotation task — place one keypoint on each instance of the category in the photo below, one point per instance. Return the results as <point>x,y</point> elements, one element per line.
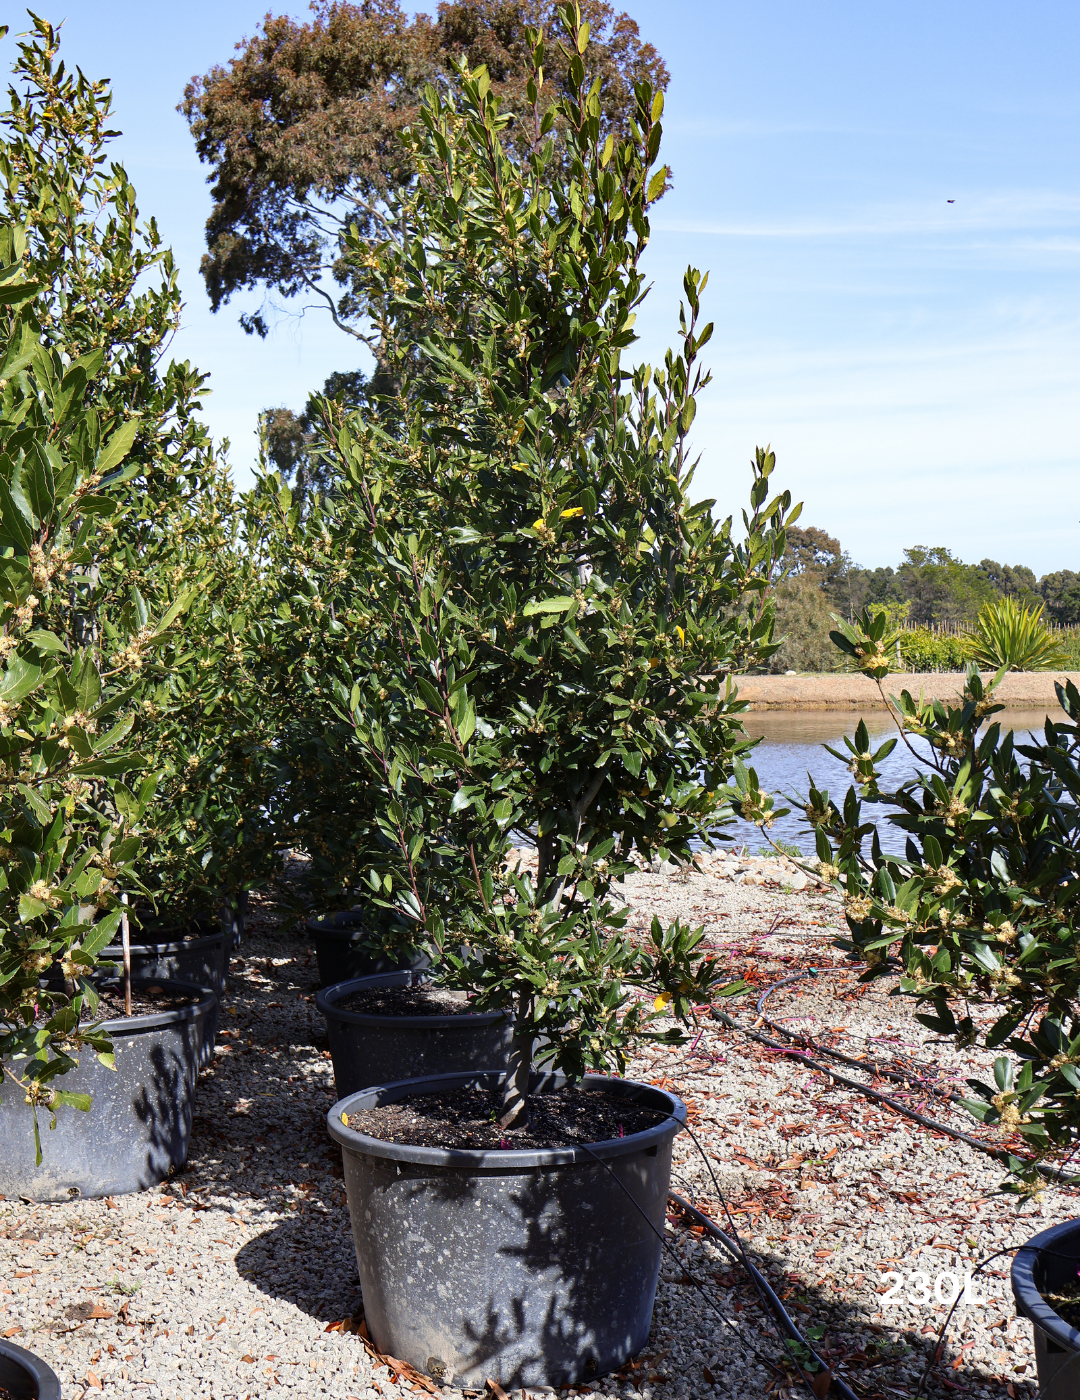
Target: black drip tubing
<point>780,1313</point>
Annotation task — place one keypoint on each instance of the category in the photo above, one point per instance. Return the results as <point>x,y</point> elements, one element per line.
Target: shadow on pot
<point>137,1127</point>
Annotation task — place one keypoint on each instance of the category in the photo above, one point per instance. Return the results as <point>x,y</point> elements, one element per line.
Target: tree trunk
<point>515,1086</point>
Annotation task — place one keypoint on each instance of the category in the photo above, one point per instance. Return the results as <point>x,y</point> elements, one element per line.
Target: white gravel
<point>223,1282</point>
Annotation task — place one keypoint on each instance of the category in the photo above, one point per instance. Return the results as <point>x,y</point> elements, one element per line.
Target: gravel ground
<point>238,1277</point>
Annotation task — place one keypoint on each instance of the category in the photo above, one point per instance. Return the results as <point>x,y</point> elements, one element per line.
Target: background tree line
<point>929,586</point>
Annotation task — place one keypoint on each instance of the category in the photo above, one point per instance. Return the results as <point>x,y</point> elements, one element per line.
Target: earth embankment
<point>1020,690</point>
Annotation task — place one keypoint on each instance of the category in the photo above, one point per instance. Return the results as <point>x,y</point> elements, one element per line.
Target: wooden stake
<point>125,933</point>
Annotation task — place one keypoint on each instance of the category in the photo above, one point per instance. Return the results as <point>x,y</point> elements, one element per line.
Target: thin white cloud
<point>1004,212</point>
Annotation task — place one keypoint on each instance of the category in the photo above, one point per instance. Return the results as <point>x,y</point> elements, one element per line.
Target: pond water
<point>791,745</point>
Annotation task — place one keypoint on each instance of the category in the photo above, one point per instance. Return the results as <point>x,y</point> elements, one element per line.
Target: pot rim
<point>326,926</point>
<point>44,1377</point>
<point>354,923</point>
<point>1030,1302</point>
<point>113,951</point>
<point>499,1160</point>
<point>155,1020</point>
<point>327,997</point>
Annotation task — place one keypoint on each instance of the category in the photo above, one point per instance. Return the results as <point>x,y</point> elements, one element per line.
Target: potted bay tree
<point>545,627</point>
<point>110,1064</point>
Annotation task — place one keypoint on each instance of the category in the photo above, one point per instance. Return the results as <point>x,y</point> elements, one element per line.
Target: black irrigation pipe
<point>896,1075</point>
<point>997,1153</point>
<point>1051,1173</point>
<point>755,1276</point>
<point>776,1307</point>
<point>766,1295</point>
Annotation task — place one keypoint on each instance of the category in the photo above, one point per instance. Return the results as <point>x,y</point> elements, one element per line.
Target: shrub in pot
<point>550,626</point>
<point>983,908</point>
<point>111,305</point>
<point>81,416</point>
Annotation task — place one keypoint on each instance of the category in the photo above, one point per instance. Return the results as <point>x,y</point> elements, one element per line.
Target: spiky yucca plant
<point>1012,637</point>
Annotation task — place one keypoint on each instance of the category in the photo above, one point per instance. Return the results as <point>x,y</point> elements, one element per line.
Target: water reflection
<point>791,745</point>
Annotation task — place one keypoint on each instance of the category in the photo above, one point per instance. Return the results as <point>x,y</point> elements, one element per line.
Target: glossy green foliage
<point>867,643</point>
<point>127,654</point>
<point>982,912</point>
<point>171,533</point>
<point>72,789</point>
<point>538,622</point>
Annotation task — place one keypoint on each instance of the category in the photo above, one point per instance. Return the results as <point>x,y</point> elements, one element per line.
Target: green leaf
<point>17,515</point>
<point>19,678</point>
<point>656,185</point>
<point>71,1099</point>
<point>30,908</point>
<point>547,605</point>
<point>117,447</point>
<point>13,293</point>
<point>87,683</point>
<point>45,641</point>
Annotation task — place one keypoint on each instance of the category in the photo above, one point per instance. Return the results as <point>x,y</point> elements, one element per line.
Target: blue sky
<point>914,363</point>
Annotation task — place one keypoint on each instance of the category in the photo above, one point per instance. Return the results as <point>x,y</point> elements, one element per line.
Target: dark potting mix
<point>469,1119</point>
<point>407,1001</point>
<point>1065,1301</point>
<point>145,1001</point>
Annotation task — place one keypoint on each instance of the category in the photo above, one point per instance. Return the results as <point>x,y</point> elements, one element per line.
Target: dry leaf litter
<point>237,1278</point>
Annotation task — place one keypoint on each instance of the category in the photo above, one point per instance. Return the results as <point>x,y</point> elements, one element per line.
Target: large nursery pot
<point>531,1268</point>
<point>25,1376</point>
<point>342,943</point>
<point>189,957</point>
<point>183,953</point>
<point>1047,1262</point>
<point>137,1128</point>
<point>373,1049</point>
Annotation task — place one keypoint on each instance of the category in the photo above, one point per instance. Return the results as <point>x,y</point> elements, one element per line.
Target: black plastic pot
<point>1047,1262</point>
<point>341,949</point>
<point>199,960</point>
<point>532,1268</point>
<point>372,1049</point>
<point>25,1376</point>
<point>135,1132</point>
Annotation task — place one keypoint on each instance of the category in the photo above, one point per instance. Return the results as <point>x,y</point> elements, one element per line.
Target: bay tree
<point>978,920</point>
<point>301,133</point>
<point>540,622</point>
<point>73,788</point>
<point>109,304</point>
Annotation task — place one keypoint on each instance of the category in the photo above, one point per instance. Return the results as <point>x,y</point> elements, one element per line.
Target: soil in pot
<point>531,1266</point>
<point>145,1001</point>
<point>1065,1301</point>
<point>419,1000</point>
<point>468,1119</point>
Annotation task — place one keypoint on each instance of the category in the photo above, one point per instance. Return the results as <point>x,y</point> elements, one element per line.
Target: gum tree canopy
<point>302,130</point>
